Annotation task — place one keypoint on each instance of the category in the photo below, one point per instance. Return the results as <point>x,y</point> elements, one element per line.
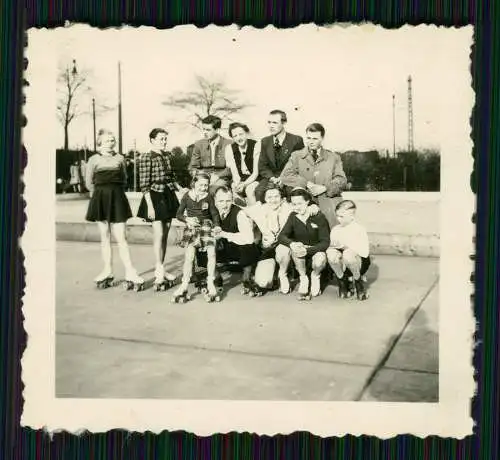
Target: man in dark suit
<point>208,154</point>
<point>275,151</point>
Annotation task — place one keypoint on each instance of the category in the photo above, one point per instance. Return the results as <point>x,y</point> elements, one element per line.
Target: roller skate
<point>304,293</point>
<point>360,290</point>
<point>104,280</point>
<point>315,285</point>
<point>163,281</point>
<point>256,290</point>
<point>344,287</point>
<point>246,289</point>
<point>200,282</point>
<point>212,294</point>
<point>284,283</point>
<point>181,294</point>
<point>133,282</point>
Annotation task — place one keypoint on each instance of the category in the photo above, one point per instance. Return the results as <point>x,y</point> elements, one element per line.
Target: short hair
<point>271,186</point>
<point>222,188</point>
<point>345,205</point>
<point>316,128</point>
<point>235,125</point>
<point>104,132</point>
<point>299,191</point>
<point>212,120</point>
<point>154,133</point>
<point>199,175</point>
<point>280,113</point>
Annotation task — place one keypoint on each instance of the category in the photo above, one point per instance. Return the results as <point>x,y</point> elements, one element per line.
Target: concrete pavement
<point>117,344</point>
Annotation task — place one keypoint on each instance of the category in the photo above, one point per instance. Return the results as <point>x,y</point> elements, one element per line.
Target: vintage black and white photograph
<point>236,214</point>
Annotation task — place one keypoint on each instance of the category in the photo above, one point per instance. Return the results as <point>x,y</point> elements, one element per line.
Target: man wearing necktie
<point>275,150</point>
<point>208,154</point>
<point>318,170</point>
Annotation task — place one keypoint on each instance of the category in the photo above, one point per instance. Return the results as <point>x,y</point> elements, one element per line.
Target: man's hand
<point>275,180</point>
<point>313,209</point>
<point>268,240</point>
<point>240,187</point>
<point>315,189</point>
<point>298,249</point>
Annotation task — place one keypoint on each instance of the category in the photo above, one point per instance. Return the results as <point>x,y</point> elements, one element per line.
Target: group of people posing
<point>258,204</point>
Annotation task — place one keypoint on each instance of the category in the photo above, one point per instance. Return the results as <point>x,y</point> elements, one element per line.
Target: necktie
<point>277,149</point>
<point>314,154</point>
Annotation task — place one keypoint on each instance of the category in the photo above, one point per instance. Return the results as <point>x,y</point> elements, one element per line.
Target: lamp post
<point>120,133</point>
<point>93,119</point>
<point>393,125</point>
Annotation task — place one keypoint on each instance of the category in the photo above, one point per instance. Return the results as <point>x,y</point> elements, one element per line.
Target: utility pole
<point>410,117</point>
<point>120,133</point>
<point>93,118</point>
<point>393,125</point>
<point>135,167</point>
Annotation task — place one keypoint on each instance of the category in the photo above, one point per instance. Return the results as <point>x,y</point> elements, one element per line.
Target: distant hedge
<point>415,171</point>
<point>366,171</point>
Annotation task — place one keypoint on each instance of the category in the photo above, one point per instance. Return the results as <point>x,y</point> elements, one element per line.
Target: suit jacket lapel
<point>285,151</point>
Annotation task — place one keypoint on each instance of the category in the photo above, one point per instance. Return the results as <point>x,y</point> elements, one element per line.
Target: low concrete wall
<point>398,223</point>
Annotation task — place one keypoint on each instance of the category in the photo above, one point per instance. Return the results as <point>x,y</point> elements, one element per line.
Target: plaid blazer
<point>156,173</point>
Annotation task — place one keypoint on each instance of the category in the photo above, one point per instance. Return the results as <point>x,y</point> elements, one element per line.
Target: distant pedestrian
<point>75,178</point>
<point>349,251</point>
<point>159,203</point>
<point>106,180</point>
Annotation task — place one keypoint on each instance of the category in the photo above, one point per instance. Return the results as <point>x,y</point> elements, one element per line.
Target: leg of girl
<point>132,279</point>
<point>318,264</point>
<point>212,293</point>
<point>300,265</point>
<point>166,230</point>
<point>105,278</point>
<point>283,259</point>
<point>160,235</point>
<point>181,294</point>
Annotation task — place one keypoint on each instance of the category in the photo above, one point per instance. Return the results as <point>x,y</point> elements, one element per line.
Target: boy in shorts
<point>349,251</point>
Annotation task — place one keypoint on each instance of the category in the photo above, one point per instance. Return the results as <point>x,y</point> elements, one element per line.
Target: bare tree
<point>211,97</point>
<point>71,85</point>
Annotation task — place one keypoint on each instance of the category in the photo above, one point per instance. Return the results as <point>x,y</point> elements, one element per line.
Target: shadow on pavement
<point>411,373</point>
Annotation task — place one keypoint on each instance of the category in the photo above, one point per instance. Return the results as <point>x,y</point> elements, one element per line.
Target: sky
<point>342,77</point>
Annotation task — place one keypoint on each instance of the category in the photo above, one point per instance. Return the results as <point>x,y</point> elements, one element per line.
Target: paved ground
<point>117,344</point>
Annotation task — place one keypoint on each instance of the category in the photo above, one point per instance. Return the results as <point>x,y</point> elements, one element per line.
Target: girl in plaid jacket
<point>159,203</point>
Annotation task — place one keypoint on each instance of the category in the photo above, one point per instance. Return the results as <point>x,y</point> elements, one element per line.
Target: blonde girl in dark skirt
<point>159,202</point>
<point>106,180</point>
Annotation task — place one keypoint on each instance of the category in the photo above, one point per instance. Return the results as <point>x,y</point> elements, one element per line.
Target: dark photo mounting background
<point>21,443</point>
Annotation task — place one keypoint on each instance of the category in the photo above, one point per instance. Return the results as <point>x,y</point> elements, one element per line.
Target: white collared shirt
<point>281,138</point>
<point>244,168</point>
<point>213,148</point>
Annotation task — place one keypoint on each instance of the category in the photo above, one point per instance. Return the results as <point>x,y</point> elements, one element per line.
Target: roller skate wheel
<point>182,300</point>
<point>217,299</point>
<point>219,290</point>
<point>252,294</point>
<point>204,290</point>
<point>126,286</point>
